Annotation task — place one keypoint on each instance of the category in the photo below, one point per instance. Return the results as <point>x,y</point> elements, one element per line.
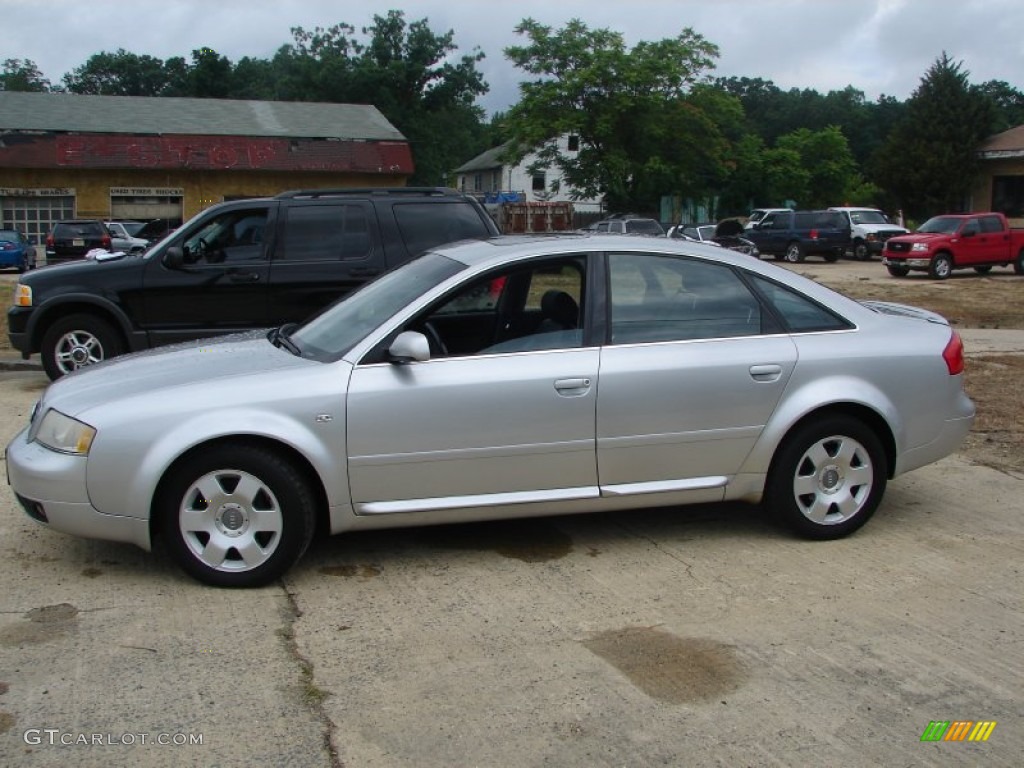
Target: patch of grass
<point>6,291</point>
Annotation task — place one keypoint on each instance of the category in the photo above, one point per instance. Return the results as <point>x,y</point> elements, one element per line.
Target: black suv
<point>795,235</point>
<point>73,239</point>
<point>236,266</point>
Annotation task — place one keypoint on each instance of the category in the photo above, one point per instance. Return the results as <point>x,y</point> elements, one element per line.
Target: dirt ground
<point>968,300</point>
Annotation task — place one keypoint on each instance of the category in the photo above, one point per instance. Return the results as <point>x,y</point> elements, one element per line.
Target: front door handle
<point>768,372</point>
<point>244,277</point>
<point>573,387</point>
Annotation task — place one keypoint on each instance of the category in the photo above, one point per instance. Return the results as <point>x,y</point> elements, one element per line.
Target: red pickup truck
<point>956,241</point>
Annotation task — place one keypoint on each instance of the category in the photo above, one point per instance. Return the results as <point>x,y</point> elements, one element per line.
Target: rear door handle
<point>768,372</point>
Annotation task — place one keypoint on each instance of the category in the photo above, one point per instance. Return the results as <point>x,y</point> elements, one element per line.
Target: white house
<point>488,177</point>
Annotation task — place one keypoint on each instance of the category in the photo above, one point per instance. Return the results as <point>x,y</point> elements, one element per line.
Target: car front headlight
<point>919,247</point>
<point>64,434</point>
<point>22,296</point>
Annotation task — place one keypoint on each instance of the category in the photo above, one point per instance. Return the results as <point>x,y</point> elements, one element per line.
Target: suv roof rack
<point>316,193</point>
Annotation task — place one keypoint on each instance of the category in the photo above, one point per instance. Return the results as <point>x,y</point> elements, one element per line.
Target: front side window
<point>663,298</point>
<point>233,236</point>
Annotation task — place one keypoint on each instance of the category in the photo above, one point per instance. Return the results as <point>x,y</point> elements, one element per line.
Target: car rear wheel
<point>76,341</point>
<point>794,253</point>
<point>941,267</point>
<point>236,515</point>
<point>898,271</point>
<point>827,478</point>
<point>1018,265</point>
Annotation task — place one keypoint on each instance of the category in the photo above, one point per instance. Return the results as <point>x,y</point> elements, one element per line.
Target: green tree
<point>929,161</point>
<point>830,169</point>
<point>119,74</point>
<point>629,109</point>
<point>19,75</point>
<point>1009,102</point>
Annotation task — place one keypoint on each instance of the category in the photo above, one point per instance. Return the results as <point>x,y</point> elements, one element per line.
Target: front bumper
<point>915,263</point>
<point>51,488</point>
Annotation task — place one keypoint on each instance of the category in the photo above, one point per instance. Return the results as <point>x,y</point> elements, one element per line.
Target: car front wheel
<point>897,270</point>
<point>860,251</point>
<point>236,515</point>
<point>76,341</point>
<point>941,267</point>
<point>828,478</point>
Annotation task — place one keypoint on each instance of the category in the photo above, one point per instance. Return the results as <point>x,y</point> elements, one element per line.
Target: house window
<point>478,182</point>
<point>574,143</point>
<point>539,182</point>
<point>1008,195</point>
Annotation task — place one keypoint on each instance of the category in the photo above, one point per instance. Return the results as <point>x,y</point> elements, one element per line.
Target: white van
<point>869,229</point>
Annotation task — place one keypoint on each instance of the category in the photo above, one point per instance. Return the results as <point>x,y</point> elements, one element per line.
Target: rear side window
<point>338,232</point>
<point>799,313</point>
<point>804,220</point>
<point>991,224</point>
<point>427,225</point>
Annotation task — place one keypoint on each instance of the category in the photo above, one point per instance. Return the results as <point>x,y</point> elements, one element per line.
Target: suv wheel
<point>76,341</point>
<point>860,251</point>
<point>941,266</point>
<point>794,253</point>
<point>235,515</point>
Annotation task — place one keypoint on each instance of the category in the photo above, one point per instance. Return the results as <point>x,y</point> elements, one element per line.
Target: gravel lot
<point>690,637</point>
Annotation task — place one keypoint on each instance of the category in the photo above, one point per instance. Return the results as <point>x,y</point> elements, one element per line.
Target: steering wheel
<point>434,340</point>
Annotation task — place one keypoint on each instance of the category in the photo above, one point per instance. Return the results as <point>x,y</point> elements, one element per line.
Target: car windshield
<point>867,217</point>
<point>335,331</point>
<point>944,225</point>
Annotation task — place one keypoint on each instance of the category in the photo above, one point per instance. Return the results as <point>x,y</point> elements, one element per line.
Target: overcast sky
<point>877,46</point>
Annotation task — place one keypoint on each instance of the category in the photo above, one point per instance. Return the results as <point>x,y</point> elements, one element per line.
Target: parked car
<point>156,230</point>
<point>238,265</point>
<point>515,376</point>
<point>631,225</point>
<point>869,229</point>
<point>16,251</point>
<point>123,238</point>
<point>977,241</point>
<point>713,234</point>
<point>795,235</point>
<point>69,240</point>
<point>759,213</point>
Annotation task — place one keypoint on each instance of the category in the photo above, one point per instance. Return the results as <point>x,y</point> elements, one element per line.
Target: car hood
<point>919,237</point>
<point>167,368</point>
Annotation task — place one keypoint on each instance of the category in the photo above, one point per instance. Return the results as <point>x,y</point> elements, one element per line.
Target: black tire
<point>76,341</point>
<point>983,270</point>
<point>235,515</point>
<point>861,252</point>
<point>898,271</point>
<point>1018,265</point>
<point>794,253</point>
<point>831,257</point>
<point>941,266</point>
<point>827,478</point>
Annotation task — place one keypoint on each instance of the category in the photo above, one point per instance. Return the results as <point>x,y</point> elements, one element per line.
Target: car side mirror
<point>409,347</point>
<point>174,257</point>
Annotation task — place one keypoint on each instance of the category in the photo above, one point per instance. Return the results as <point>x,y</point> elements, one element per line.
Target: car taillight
<point>953,354</point>
<point>49,240</point>
<point>106,242</point>
<point>814,234</point>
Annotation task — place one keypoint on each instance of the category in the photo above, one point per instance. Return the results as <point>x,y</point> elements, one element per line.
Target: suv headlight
<point>64,434</point>
<point>22,296</point>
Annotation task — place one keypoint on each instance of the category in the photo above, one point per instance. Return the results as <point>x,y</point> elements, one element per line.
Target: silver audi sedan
<point>506,378</point>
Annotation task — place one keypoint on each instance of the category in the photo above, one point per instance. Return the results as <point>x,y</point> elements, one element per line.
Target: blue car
<point>16,251</point>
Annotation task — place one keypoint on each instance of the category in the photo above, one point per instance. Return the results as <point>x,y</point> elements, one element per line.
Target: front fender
<point>125,485</point>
